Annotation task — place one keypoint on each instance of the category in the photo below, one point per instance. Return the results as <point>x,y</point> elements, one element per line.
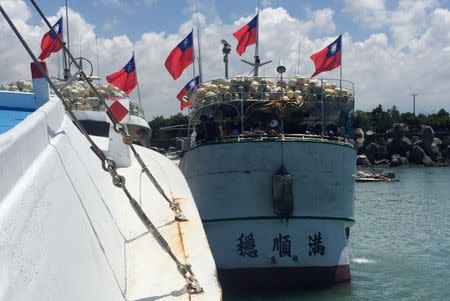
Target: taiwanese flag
<point>247,35</point>
<point>328,58</point>
<point>185,94</point>
<point>49,41</point>
<point>126,78</point>
<point>180,57</point>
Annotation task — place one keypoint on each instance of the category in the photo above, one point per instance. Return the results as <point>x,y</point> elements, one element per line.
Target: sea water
<point>400,243</point>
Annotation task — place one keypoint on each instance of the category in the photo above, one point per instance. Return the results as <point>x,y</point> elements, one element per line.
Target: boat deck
<point>9,118</point>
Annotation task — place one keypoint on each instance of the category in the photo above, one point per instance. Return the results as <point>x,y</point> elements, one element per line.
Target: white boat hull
<point>252,246</point>
<point>67,233</point>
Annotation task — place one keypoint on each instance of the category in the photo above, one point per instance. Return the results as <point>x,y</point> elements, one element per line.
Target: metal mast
<point>200,73</point>
<point>257,62</point>
<point>66,59</point>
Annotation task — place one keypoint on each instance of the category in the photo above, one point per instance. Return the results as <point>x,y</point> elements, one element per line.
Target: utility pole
<point>414,102</point>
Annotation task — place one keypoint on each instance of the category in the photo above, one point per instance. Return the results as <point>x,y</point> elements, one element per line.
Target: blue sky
<point>391,48</point>
<point>134,17</point>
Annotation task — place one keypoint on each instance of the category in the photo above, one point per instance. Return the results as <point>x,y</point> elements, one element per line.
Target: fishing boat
<point>87,216</point>
<point>270,163</point>
<point>277,202</point>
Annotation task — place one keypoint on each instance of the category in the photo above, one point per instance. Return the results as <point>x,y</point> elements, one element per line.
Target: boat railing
<point>298,104</point>
<point>268,138</point>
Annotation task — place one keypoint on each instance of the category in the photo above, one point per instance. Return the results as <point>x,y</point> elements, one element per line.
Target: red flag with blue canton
<point>328,58</point>
<point>247,35</point>
<point>49,41</point>
<point>126,78</point>
<point>184,96</point>
<point>180,57</point>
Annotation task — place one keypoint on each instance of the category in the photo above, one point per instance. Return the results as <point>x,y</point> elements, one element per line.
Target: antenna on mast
<point>198,45</point>
<point>67,27</point>
<point>66,64</point>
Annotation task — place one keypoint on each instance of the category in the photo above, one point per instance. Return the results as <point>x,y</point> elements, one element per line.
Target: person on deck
<point>200,128</point>
<point>234,128</point>
<point>259,130</point>
<point>274,128</point>
<point>212,129</point>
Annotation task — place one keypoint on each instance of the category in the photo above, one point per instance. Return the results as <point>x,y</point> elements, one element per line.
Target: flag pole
<point>137,84</point>
<point>323,109</point>
<point>68,41</point>
<point>67,28</point>
<point>257,60</point>
<point>298,58</point>
<point>193,53</point>
<point>200,73</point>
<point>98,65</point>
<point>66,72</point>
<point>340,70</point>
<point>58,57</point>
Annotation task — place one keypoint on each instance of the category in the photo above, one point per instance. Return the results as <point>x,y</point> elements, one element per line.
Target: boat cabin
<point>262,108</point>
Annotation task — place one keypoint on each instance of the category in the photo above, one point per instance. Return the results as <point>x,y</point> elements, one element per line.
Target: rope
<point>108,164</point>
<point>117,126</point>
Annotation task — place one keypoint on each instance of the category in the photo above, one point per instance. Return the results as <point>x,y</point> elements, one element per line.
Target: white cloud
<point>109,24</point>
<point>382,71</point>
<point>371,13</point>
<point>410,20</point>
<point>405,22</point>
<point>322,21</point>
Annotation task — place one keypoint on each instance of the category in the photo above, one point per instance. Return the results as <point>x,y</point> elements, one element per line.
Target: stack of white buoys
<point>21,85</point>
<point>81,96</point>
<point>296,90</point>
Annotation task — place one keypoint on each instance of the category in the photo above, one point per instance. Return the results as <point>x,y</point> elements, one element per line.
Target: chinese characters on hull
<point>315,244</point>
<point>246,245</point>
<point>281,244</point>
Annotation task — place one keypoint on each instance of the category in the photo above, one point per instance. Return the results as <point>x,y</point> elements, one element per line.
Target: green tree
<point>413,121</point>
<point>439,121</point>
<point>394,113</point>
<point>156,124</point>
<point>159,122</point>
<point>362,120</point>
<point>380,120</point>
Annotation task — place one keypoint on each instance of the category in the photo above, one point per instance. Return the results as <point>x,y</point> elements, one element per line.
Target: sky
<point>391,48</point>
